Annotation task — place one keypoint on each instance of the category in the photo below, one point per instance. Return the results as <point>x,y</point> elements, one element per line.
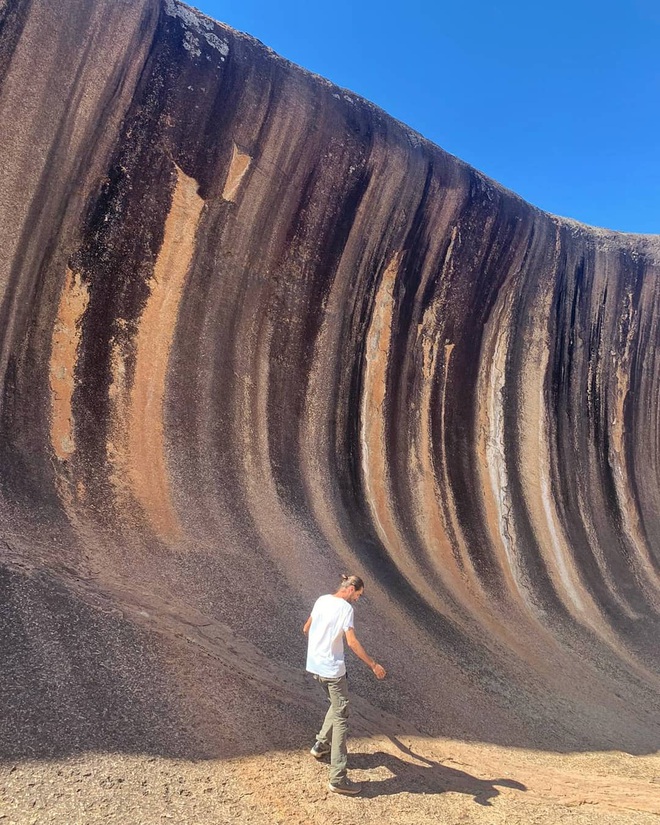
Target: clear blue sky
<point>559,101</point>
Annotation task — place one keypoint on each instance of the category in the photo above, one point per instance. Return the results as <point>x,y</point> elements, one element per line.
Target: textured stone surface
<point>255,333</point>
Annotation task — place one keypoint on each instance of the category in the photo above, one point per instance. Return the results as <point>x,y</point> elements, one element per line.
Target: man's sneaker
<point>320,749</point>
<point>346,786</point>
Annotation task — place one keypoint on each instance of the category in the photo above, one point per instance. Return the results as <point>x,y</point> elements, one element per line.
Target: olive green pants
<point>335,725</point>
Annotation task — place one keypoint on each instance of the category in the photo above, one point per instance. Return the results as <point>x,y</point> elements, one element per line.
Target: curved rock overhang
<point>254,332</point>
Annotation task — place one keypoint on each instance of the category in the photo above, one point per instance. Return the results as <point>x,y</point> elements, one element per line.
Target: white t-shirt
<point>331,618</point>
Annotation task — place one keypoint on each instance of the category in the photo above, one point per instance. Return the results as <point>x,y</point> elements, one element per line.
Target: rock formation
<point>254,333</point>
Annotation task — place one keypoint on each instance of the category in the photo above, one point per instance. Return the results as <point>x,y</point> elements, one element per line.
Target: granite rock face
<point>255,333</point>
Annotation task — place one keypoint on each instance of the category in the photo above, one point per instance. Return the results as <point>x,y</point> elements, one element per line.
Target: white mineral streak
<point>628,509</point>
<point>437,513</point>
<point>202,25</point>
<point>373,443</point>
<point>493,377</point>
<point>534,436</point>
<point>221,45</point>
<point>435,523</point>
<point>191,44</point>
<point>557,544</point>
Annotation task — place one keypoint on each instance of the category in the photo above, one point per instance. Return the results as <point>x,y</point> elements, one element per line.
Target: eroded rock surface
<point>254,333</point>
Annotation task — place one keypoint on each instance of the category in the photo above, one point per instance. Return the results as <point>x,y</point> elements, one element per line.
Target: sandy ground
<point>408,780</point>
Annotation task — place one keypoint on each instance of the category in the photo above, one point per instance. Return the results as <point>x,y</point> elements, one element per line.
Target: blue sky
<point>558,101</point>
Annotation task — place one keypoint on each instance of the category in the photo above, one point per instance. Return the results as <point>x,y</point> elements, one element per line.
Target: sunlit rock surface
<point>255,333</point>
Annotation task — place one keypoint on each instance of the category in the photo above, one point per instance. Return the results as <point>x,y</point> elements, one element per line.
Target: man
<point>332,619</point>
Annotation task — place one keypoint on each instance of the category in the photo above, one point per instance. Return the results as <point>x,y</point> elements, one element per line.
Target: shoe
<point>320,749</point>
<point>346,786</point>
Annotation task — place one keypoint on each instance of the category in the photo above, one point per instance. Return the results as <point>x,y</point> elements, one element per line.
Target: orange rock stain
<point>147,459</point>
<point>64,350</point>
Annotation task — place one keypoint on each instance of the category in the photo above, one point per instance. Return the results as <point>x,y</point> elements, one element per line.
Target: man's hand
<point>379,671</point>
<point>361,653</point>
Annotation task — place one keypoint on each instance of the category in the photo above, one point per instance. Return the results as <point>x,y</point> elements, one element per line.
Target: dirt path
<point>411,781</point>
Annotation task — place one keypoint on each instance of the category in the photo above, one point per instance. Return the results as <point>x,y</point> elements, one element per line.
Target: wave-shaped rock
<point>255,332</point>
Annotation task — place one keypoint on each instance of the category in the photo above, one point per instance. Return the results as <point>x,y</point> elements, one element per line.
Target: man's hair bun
<point>351,581</point>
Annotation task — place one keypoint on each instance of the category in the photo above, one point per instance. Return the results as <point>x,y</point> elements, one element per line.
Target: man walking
<point>332,619</point>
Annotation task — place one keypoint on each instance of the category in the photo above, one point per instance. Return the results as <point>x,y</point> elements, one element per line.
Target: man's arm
<point>308,624</point>
<point>361,653</point>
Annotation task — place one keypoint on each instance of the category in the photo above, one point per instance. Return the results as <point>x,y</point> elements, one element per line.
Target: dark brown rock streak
<point>255,332</point>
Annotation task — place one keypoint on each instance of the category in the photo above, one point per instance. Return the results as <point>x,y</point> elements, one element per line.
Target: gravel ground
<point>416,781</point>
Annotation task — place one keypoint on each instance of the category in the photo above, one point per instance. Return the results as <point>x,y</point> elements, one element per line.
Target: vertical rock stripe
<point>146,443</point>
<point>65,342</point>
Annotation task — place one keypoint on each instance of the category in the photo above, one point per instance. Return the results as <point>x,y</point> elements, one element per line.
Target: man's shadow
<point>429,777</point>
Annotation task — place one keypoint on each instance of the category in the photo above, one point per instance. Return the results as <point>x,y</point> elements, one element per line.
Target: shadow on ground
<point>426,777</point>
